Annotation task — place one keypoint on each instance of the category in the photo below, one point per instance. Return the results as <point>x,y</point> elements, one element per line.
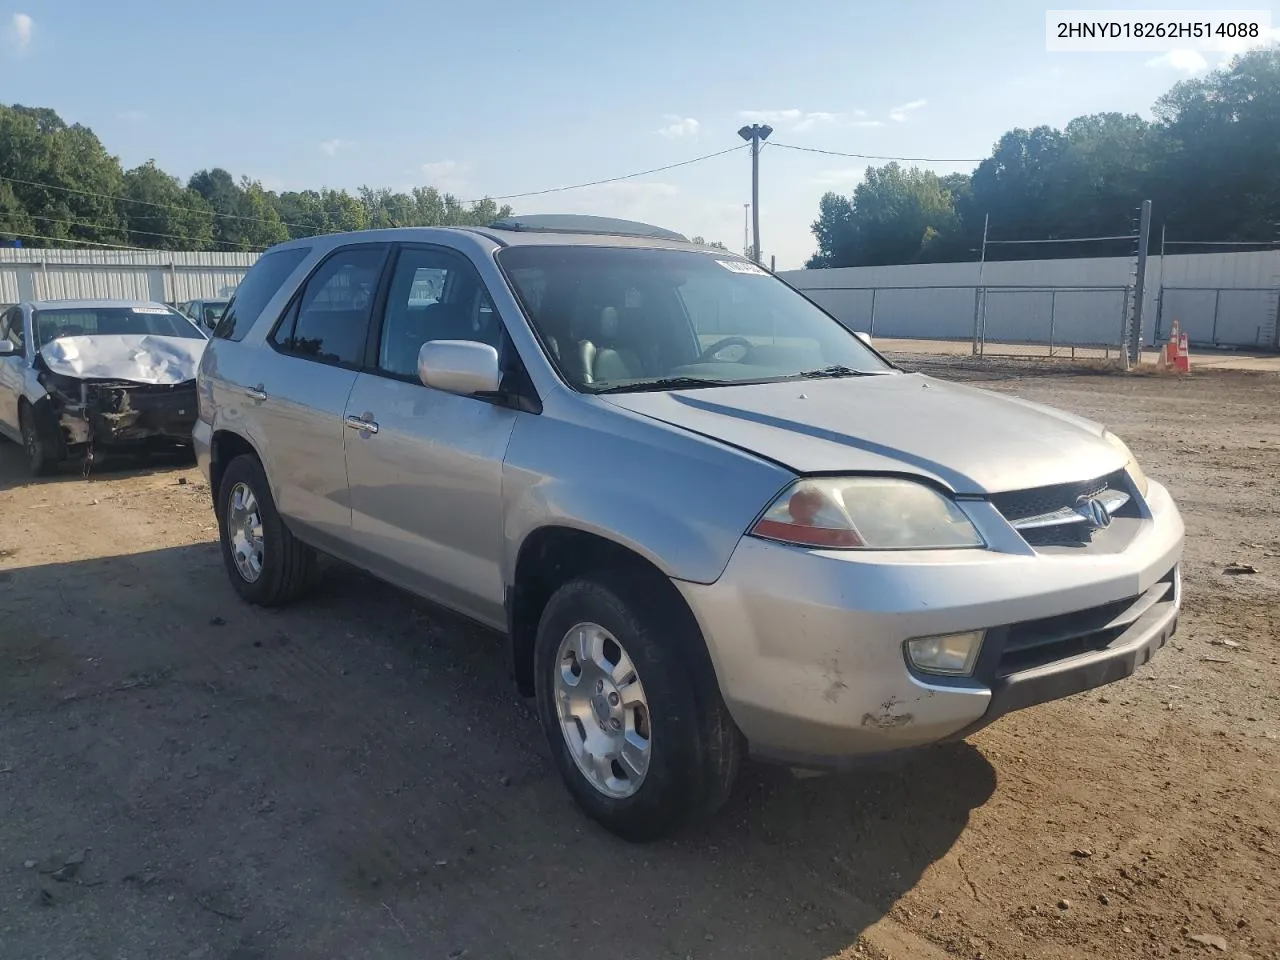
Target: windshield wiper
<point>663,383</point>
<point>836,370</point>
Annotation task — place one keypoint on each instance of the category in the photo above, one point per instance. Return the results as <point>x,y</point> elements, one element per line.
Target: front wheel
<point>635,722</point>
<point>267,564</point>
<point>39,447</point>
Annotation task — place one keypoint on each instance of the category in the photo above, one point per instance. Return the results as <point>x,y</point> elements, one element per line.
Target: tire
<point>41,449</point>
<point>285,565</point>
<point>694,750</point>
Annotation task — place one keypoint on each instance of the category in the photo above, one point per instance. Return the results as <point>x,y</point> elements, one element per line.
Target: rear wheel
<point>636,726</point>
<point>266,563</point>
<point>39,446</point>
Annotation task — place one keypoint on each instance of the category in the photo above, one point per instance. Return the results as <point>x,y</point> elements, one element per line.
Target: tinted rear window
<point>259,285</point>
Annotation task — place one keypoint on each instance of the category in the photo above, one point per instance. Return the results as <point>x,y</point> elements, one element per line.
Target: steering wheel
<point>723,344</point>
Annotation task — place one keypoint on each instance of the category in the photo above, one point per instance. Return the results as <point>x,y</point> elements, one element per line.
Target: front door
<point>13,370</point>
<point>301,391</point>
<point>424,466</point>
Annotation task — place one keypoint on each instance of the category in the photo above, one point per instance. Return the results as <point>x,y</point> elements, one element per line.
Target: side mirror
<point>8,348</point>
<point>464,367</point>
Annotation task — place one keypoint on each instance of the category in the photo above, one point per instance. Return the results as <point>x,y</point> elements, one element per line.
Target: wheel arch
<point>551,556</point>
<point>225,446</point>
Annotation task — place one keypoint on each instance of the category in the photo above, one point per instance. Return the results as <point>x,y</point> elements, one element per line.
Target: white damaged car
<point>79,376</point>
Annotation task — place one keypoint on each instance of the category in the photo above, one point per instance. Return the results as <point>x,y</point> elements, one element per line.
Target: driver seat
<point>601,355</point>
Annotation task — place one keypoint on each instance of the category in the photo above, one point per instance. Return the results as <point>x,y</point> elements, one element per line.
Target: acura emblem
<point>1094,512</point>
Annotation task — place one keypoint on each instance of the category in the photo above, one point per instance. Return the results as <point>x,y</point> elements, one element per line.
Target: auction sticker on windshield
<point>160,311</point>
<point>740,266</point>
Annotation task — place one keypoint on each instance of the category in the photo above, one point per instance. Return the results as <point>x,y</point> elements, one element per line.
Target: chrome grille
<point>1047,515</point>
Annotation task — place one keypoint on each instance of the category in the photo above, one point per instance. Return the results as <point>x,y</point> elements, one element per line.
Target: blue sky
<point>504,97</point>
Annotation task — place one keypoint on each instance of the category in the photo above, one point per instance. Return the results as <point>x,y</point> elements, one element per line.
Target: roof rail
<point>581,223</point>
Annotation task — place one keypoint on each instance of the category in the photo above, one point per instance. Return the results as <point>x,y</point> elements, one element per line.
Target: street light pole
<point>755,134</point>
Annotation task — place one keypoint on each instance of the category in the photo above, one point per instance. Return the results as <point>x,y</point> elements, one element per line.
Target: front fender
<point>679,500</point>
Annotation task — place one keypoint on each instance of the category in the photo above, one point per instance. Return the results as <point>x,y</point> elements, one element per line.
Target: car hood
<point>970,440</point>
<point>142,359</point>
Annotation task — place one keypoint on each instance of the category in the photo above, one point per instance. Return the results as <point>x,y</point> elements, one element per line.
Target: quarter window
<point>260,284</point>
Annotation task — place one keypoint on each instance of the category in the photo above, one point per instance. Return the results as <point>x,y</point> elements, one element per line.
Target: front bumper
<point>202,444</point>
<point>808,645</point>
<point>121,414</point>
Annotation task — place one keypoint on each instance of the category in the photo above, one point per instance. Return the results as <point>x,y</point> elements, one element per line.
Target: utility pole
<point>1134,346</point>
<point>980,293</point>
<point>746,230</point>
<point>755,134</point>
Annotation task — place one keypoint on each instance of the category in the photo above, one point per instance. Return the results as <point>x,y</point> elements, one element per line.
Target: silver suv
<point>709,518</point>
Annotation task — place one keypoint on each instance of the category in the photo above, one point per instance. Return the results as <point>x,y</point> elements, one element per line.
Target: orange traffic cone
<point>1182,363</point>
<point>1170,357</point>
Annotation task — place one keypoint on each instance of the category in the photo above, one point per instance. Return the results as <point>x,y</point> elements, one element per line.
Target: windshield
<point>620,319</point>
<point>212,311</point>
<point>98,321</point>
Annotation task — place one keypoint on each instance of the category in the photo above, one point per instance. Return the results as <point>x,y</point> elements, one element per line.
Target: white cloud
<point>331,147</point>
<point>899,114</point>
<point>1232,48</point>
<point>811,120</point>
<point>796,121</point>
<point>649,201</point>
<point>21,28</point>
<point>447,176</point>
<point>799,121</point>
<point>1188,61</point>
<point>845,177</point>
<point>677,127</point>
<point>132,116</point>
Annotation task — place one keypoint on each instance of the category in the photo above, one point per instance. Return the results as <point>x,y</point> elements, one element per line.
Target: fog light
<point>954,654</point>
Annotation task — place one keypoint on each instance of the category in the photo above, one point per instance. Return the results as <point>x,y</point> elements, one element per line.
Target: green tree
<point>14,222</point>
<point>1217,176</point>
<point>896,215</point>
<point>159,212</point>
<point>246,217</point>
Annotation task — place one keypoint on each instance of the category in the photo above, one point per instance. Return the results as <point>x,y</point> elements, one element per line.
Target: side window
<point>434,295</point>
<point>259,285</point>
<point>330,321</point>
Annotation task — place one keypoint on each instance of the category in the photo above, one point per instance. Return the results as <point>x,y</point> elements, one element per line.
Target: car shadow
<point>14,473</point>
<point>355,775</point>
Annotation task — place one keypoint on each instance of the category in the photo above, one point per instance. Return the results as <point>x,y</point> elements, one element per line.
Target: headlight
<point>868,513</point>
<point>1131,462</point>
<point>954,654</point>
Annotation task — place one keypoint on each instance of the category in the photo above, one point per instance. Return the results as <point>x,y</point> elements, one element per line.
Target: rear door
<point>425,466</point>
<point>306,377</point>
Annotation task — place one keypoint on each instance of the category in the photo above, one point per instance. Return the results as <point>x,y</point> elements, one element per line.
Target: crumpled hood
<point>972,441</point>
<point>142,359</point>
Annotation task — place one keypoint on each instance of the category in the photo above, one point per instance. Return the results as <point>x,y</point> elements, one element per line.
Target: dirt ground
<point>182,776</point>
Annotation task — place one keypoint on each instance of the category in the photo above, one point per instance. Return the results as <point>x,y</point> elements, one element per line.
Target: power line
<point>625,176</point>
<point>1221,243</point>
<point>149,233</point>
<point>152,203</point>
<point>91,243</point>
<point>315,230</point>
<point>1127,236</point>
<point>872,156</point>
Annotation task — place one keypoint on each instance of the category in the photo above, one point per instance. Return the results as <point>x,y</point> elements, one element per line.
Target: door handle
<point>256,394</point>
<point>356,423</point>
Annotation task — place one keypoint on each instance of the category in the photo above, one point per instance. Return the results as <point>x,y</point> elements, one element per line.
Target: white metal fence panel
<point>162,275</point>
<point>1223,299</point>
